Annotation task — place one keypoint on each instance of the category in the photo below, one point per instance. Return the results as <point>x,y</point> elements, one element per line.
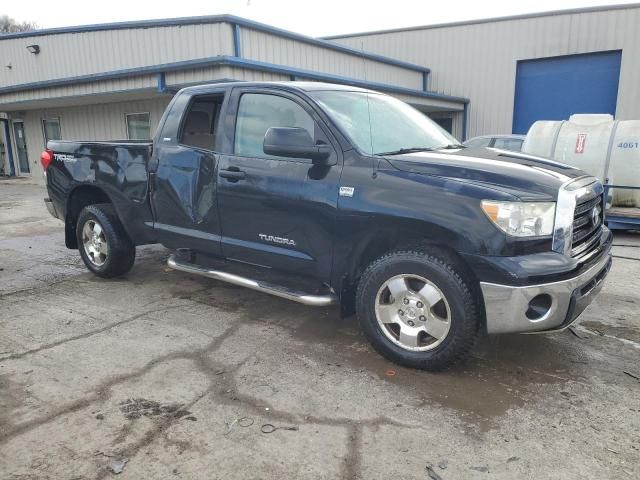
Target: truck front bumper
<point>546,306</point>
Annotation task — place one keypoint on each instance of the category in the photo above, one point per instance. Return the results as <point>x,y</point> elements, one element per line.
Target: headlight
<point>522,219</point>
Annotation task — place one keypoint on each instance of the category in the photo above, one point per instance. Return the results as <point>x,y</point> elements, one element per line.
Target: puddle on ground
<point>501,373</point>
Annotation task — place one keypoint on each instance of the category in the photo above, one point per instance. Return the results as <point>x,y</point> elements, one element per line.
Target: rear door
<point>276,212</point>
<point>21,147</point>
<point>183,174</point>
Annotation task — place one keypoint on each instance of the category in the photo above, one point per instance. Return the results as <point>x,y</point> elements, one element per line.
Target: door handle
<point>232,175</point>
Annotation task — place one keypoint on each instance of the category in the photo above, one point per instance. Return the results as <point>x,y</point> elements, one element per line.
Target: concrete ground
<point>176,374</point>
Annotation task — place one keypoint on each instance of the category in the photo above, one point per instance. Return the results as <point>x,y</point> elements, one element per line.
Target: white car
<point>506,142</point>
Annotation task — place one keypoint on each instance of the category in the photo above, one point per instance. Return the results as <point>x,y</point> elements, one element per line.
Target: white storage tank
<point>599,145</point>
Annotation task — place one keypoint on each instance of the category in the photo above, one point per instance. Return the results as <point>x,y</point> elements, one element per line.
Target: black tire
<point>464,316</point>
<point>121,252</point>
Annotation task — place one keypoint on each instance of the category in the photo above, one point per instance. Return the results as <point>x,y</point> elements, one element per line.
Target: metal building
<point>113,81</point>
<point>516,70</point>
<point>490,76</point>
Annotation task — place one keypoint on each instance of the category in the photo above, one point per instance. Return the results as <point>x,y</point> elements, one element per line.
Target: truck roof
<point>292,85</point>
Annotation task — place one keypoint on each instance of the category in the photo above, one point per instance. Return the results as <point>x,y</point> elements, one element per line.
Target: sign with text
<point>580,140</point>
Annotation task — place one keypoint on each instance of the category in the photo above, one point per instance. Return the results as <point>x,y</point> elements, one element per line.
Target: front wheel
<point>104,246</point>
<point>417,310</point>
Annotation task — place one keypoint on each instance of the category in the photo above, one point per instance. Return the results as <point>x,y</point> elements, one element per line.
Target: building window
<point>138,127</point>
<point>51,129</point>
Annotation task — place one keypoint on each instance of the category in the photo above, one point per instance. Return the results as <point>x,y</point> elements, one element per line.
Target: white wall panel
<point>270,48</point>
<point>212,74</point>
<point>73,54</point>
<point>478,61</point>
<point>11,101</point>
<point>90,122</point>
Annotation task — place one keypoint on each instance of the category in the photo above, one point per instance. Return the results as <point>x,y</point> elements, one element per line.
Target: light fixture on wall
<point>35,49</point>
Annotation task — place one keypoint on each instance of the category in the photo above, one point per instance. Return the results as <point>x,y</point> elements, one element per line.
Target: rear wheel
<point>417,310</point>
<point>104,246</point>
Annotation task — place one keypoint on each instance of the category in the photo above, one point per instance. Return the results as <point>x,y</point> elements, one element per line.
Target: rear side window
<point>201,122</point>
<point>258,112</point>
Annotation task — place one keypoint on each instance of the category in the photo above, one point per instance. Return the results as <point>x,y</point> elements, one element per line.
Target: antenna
<point>374,173</point>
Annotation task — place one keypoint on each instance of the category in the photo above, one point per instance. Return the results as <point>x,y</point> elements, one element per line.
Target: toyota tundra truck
<point>326,194</point>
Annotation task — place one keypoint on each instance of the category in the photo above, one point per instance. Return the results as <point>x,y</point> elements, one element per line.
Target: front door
<point>277,212</point>
<point>21,147</point>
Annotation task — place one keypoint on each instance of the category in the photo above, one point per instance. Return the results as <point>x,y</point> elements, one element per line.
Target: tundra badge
<point>272,239</point>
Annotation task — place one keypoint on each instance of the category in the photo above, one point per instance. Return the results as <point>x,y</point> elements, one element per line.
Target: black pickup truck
<point>323,194</point>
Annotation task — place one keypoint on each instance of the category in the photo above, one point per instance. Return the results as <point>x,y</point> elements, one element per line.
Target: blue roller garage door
<point>555,88</point>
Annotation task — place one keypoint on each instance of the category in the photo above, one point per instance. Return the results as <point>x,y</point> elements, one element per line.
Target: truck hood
<point>525,176</point>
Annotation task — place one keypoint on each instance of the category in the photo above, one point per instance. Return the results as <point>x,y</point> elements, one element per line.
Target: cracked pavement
<point>74,347</point>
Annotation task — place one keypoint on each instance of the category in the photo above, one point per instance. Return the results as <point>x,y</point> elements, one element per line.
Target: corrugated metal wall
<point>88,110</point>
<point>271,48</point>
<point>89,122</point>
<point>73,54</point>
<point>199,75</point>
<point>478,61</point>
<point>69,55</point>
<point>13,100</point>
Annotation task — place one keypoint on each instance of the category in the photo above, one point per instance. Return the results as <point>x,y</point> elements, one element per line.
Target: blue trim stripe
<point>301,74</point>
<point>169,90</point>
<point>162,83</point>
<point>96,77</point>
<point>237,42</point>
<point>231,61</point>
<point>168,22</point>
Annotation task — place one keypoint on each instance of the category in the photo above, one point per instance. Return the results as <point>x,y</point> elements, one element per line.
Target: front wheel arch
<point>379,247</point>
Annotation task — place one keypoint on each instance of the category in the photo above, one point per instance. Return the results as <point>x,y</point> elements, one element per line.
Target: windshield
<point>379,124</point>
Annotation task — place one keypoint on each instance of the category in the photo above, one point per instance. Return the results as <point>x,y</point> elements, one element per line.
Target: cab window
<point>201,122</point>
<point>258,112</point>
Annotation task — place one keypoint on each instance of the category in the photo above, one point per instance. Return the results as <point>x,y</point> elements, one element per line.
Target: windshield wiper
<point>452,146</point>
<point>402,151</point>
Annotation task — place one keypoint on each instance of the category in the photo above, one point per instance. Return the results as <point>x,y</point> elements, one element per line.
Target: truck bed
<point>119,169</point>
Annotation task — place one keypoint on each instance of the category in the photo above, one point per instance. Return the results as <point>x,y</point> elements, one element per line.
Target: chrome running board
<point>278,291</point>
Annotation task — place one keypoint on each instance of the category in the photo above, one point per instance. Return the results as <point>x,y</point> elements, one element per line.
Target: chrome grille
<point>587,225</point>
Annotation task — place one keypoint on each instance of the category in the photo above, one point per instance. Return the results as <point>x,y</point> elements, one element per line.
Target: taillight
<point>46,157</point>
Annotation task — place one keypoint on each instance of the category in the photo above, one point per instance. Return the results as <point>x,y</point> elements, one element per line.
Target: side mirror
<point>295,142</point>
